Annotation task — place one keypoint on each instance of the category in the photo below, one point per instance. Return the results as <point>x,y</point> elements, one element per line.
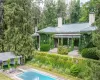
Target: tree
<point>74,11</point>
<point>96,34</point>
<point>62,9</point>
<point>84,13</point>
<point>50,13</point>
<point>1,27</point>
<point>52,10</point>
<point>19,22</point>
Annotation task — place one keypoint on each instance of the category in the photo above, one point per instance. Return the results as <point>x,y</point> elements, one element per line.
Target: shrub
<point>75,70</point>
<point>45,47</point>
<point>62,50</point>
<point>89,53</point>
<point>95,71</point>
<point>8,61</point>
<point>79,67</point>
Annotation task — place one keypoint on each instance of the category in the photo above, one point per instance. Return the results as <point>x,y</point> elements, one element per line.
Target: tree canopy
<point>52,10</point>
<point>18,21</point>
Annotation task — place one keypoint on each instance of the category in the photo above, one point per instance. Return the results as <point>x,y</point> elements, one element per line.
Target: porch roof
<point>67,35</point>
<point>8,55</point>
<point>68,28</point>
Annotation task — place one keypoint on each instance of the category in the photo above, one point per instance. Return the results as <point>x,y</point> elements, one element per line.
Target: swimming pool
<point>32,75</point>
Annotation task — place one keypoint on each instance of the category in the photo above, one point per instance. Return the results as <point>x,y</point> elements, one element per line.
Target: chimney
<point>91,18</point>
<point>59,21</point>
<point>36,29</point>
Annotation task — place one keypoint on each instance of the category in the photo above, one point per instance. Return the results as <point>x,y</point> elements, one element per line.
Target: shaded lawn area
<point>3,77</point>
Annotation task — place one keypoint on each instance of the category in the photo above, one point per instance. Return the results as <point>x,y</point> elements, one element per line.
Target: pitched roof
<point>68,28</point>
<point>89,29</point>
<point>7,55</point>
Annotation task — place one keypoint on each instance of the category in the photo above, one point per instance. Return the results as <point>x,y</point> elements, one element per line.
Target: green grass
<point>3,77</point>
<point>53,72</point>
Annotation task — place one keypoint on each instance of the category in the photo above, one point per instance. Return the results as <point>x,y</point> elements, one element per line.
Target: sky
<point>67,1</point>
<point>84,1</point>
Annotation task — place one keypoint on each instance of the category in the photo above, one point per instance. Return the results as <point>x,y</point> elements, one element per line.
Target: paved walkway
<point>54,50</point>
<point>74,53</point>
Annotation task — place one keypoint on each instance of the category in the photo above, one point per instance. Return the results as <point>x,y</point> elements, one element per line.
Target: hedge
<point>45,47</point>
<point>79,67</point>
<point>90,53</point>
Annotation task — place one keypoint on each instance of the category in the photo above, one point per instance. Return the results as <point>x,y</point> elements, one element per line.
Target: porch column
<point>58,42</point>
<point>39,43</point>
<point>79,42</point>
<point>2,65</point>
<point>68,42</point>
<point>62,41</point>
<point>72,43</point>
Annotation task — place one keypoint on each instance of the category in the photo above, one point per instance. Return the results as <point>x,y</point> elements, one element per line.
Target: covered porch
<point>69,40</point>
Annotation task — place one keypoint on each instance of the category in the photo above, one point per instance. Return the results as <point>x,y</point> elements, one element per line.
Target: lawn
<point>3,77</point>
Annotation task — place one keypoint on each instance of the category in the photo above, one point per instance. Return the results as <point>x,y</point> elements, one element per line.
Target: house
<point>65,34</point>
<point>5,56</point>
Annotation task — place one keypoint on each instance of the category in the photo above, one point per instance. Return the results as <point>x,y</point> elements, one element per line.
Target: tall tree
<point>62,9</point>
<point>1,26</point>
<point>84,13</point>
<point>96,35</point>
<point>19,21</point>
<point>50,13</point>
<point>74,11</point>
<point>52,10</point>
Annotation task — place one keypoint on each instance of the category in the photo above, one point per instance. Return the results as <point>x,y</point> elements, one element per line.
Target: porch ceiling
<point>67,35</point>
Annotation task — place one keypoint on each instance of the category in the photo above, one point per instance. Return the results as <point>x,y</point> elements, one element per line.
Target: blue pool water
<point>31,75</point>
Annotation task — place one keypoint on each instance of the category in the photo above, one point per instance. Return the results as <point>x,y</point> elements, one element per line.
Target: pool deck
<point>21,69</point>
<point>13,74</point>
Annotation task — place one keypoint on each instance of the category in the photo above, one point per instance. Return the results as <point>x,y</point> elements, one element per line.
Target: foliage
<point>84,13</point>
<point>96,35</point>
<point>72,44</point>
<point>86,41</point>
<point>45,47</point>
<point>8,62</point>
<point>2,28</point>
<point>62,50</point>
<point>19,22</point>
<point>75,70</point>
<point>89,53</point>
<point>15,62</point>
<point>64,64</point>
<point>95,72</point>
<point>74,11</point>
<point>52,9</point>
<point>61,8</point>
